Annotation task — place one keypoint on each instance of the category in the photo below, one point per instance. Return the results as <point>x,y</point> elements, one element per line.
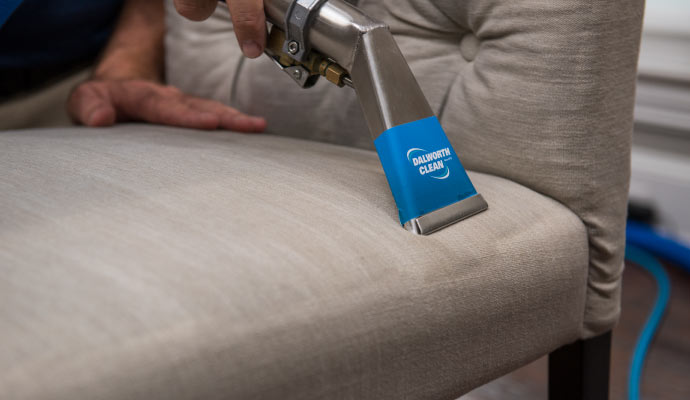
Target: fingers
<point>196,10</point>
<point>90,104</point>
<point>244,123</point>
<point>166,105</point>
<point>230,118</point>
<point>175,113</point>
<point>249,23</point>
<point>102,103</point>
<point>151,102</point>
<point>248,19</point>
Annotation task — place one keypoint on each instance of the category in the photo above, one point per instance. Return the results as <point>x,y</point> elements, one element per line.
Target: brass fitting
<point>316,64</point>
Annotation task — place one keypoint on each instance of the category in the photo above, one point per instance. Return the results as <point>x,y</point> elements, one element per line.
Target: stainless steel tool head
<point>350,48</point>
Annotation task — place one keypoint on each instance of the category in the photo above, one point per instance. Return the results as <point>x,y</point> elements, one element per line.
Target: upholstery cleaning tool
<point>336,40</point>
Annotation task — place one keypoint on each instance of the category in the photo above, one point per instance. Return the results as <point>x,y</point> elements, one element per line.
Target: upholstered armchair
<point>143,262</point>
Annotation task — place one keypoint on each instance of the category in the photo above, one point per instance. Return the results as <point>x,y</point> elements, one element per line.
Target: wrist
<point>121,64</point>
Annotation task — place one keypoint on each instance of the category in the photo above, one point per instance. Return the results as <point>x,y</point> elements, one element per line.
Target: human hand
<point>248,19</point>
<point>105,102</point>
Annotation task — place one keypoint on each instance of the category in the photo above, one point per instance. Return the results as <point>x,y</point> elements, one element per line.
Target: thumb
<point>196,10</point>
<point>90,104</point>
<point>249,24</point>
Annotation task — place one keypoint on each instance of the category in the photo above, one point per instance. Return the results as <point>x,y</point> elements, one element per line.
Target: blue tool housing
<point>422,169</point>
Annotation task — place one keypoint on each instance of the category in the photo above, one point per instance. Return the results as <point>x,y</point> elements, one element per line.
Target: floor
<point>667,372</point>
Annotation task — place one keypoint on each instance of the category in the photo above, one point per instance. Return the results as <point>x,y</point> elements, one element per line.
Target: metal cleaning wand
<point>336,40</point>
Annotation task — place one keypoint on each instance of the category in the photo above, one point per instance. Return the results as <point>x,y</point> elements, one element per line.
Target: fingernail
<point>251,49</point>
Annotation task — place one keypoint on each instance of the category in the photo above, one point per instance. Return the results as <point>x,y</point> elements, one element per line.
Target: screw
<point>297,74</point>
<point>293,47</point>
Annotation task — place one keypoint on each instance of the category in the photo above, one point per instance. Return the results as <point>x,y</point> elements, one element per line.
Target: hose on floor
<point>663,246</point>
<point>653,267</point>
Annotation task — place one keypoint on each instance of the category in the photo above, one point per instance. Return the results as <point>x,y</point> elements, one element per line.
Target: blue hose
<point>644,237</point>
<point>652,265</point>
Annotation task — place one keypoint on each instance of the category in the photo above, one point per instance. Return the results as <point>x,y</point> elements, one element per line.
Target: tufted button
<point>469,46</point>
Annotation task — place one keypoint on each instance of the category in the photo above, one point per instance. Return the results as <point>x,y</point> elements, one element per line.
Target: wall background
<point>661,142</point>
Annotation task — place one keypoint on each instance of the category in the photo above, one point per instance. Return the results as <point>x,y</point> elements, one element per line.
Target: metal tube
<point>336,29</point>
<point>386,88</point>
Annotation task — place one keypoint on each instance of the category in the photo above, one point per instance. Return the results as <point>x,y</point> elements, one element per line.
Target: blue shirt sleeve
<point>7,7</point>
<point>47,34</point>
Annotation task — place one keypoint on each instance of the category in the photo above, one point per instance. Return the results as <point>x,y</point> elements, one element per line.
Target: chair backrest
<point>538,91</point>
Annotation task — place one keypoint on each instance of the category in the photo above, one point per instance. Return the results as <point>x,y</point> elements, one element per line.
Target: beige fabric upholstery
<point>537,91</point>
<point>45,107</point>
<point>142,262</point>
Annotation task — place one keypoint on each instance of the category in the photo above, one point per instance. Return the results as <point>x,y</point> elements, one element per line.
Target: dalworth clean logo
<point>430,163</point>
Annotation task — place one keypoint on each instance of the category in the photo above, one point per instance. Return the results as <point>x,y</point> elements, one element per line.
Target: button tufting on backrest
<point>469,47</point>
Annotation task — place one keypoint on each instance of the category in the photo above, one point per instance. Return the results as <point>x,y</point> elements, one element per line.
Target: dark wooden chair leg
<point>580,370</point>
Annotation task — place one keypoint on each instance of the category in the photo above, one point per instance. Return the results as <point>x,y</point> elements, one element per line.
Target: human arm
<point>127,83</point>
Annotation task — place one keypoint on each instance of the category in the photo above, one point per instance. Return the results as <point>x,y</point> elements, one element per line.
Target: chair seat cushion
<point>537,92</point>
<point>142,262</point>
